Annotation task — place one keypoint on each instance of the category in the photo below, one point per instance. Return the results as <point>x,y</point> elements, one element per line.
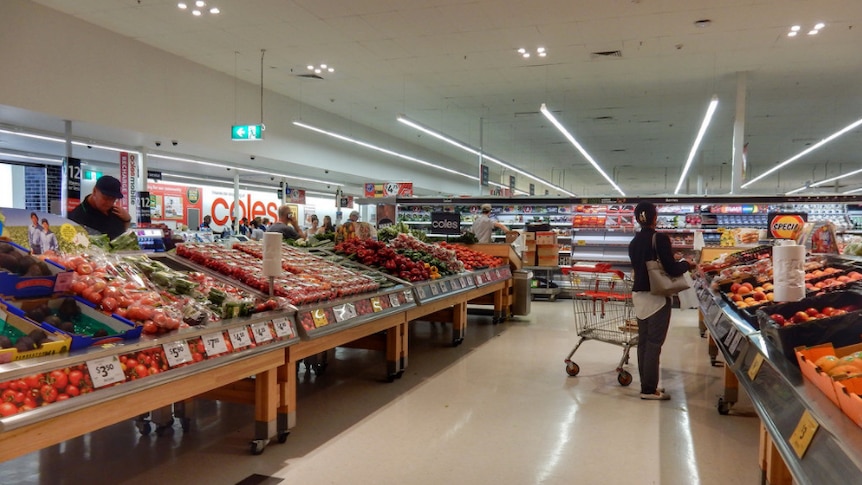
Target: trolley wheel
<point>457,341</point>
<point>144,427</point>
<point>257,446</point>
<point>723,407</point>
<point>624,378</point>
<point>572,369</point>
<point>282,436</point>
<point>186,423</point>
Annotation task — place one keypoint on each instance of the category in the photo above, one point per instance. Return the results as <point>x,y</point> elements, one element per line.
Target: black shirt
<point>641,251</point>
<point>287,232</point>
<point>89,216</point>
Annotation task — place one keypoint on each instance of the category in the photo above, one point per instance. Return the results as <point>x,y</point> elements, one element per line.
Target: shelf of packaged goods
<point>127,397</point>
<point>780,396</point>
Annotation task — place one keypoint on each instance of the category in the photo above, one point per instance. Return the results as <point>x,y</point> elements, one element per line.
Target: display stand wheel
<point>572,369</point>
<point>186,423</point>
<point>163,429</point>
<point>144,425</point>
<point>723,407</point>
<point>457,341</point>
<point>282,436</point>
<point>320,368</point>
<point>257,446</point>
<point>624,378</point>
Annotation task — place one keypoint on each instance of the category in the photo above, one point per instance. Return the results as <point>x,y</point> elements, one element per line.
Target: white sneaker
<point>658,396</point>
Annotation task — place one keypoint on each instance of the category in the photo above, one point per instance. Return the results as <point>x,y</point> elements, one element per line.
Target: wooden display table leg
<point>713,352</point>
<point>287,393</point>
<point>700,325</point>
<point>459,321</point>
<point>396,349</point>
<point>266,395</point>
<point>499,304</point>
<point>773,469</point>
<point>731,392</point>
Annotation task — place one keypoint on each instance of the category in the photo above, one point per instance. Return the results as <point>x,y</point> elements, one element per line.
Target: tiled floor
<point>499,409</point>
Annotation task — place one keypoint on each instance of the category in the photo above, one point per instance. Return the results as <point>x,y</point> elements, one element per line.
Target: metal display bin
<point>522,293</point>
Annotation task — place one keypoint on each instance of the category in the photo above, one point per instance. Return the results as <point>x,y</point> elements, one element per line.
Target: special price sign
<point>785,225</point>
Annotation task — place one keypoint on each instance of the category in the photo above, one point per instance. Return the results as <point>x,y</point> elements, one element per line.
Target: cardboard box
<point>530,236</point>
<point>548,260</point>
<point>845,393</point>
<point>547,250</point>
<point>849,400</point>
<point>13,285</point>
<point>529,258</point>
<point>546,237</point>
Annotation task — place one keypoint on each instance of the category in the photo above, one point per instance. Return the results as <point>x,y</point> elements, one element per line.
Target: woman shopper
<point>652,311</point>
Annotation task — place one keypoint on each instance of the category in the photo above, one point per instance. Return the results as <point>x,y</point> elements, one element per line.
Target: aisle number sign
<point>246,132</point>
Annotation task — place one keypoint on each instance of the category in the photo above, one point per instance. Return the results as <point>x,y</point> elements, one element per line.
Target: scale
<point>151,239</point>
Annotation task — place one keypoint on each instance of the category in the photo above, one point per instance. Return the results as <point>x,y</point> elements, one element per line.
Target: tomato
<point>34,381</point>
<point>60,379</point>
<point>48,393</point>
<point>29,403</point>
<point>78,287</point>
<point>109,304</point>
<point>93,297</point>
<point>141,370</point>
<point>72,391</point>
<point>150,328</point>
<point>9,395</point>
<point>8,409</point>
<point>84,268</point>
<point>75,377</point>
<point>153,370</point>
<point>62,397</point>
<point>197,357</point>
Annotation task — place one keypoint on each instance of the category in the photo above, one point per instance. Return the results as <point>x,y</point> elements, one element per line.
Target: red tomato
<point>59,378</point>
<point>84,268</point>
<point>62,397</point>
<point>109,304</point>
<point>78,287</point>
<point>48,393</point>
<point>150,328</point>
<point>141,370</point>
<point>811,311</point>
<point>75,377</point>
<point>8,409</point>
<point>72,391</point>
<point>9,395</point>
<point>33,381</point>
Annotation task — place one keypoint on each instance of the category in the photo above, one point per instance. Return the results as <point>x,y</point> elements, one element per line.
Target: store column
<point>737,173</point>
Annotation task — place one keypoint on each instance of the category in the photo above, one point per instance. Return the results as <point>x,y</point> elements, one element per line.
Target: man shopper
<point>99,210</point>
<point>287,225</point>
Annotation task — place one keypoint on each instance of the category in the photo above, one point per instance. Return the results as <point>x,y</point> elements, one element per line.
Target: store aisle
<point>498,409</point>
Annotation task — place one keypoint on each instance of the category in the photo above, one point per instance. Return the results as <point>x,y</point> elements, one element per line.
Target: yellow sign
<point>755,366</point>
<point>319,317</point>
<point>375,304</point>
<point>803,434</point>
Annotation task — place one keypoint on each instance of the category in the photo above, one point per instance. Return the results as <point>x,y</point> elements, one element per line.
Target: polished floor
<point>498,409</point>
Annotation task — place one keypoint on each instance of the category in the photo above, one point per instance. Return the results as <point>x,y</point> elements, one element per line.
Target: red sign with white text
<point>388,189</point>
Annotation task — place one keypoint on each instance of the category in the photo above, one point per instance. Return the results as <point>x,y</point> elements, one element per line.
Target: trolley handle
<point>598,268</point>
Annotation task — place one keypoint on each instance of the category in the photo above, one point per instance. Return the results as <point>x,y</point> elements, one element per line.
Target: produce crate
<point>845,393</point>
<point>849,399</point>
<point>13,325</point>
<point>840,330</point>
<point>87,323</point>
<point>13,285</point>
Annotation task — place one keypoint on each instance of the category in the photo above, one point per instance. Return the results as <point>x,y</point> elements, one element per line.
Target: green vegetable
<point>217,297</point>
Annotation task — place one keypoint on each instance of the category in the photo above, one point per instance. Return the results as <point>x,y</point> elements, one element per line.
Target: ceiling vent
<point>310,76</point>
<point>603,118</point>
<point>606,54</point>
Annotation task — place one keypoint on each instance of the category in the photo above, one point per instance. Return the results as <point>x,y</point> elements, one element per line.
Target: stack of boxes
<point>542,249</point>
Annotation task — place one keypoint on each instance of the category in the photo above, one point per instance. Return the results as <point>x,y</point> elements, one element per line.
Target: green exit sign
<point>246,132</point>
<point>91,175</point>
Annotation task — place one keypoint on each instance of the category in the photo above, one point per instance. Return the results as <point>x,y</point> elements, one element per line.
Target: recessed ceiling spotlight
<point>791,34</point>
<point>795,28</point>
<point>215,10</point>
<point>813,32</point>
<point>182,6</point>
<point>819,26</point>
<point>522,51</point>
<point>320,68</point>
<point>526,55</point>
<point>200,3</point>
<point>196,13</point>
<point>540,51</point>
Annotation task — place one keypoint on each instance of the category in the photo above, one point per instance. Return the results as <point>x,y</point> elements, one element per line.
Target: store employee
<point>99,210</point>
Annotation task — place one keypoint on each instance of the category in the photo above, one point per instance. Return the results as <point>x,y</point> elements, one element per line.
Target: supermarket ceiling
<point>630,79</point>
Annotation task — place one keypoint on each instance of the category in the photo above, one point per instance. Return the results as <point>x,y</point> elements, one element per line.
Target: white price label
<point>105,371</point>
<point>239,337</point>
<point>177,353</point>
<point>344,312</point>
<point>456,284</point>
<point>214,344</point>
<point>734,346</point>
<point>464,282</point>
<point>434,289</point>
<point>261,332</point>
<point>408,295</point>
<point>497,273</point>
<point>282,327</point>
<point>393,299</point>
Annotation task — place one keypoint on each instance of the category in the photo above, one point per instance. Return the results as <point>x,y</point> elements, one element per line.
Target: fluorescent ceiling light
<point>808,150</point>
<point>219,181</point>
<point>699,138</point>
<point>103,147</point>
<point>475,151</point>
<point>854,191</point>
<point>243,169</point>
<point>577,145</point>
<point>825,181</point>
<point>33,136</point>
<point>30,157</point>
<point>383,150</point>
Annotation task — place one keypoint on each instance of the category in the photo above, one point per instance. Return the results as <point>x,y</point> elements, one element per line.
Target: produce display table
<point>51,424</point>
<point>781,396</point>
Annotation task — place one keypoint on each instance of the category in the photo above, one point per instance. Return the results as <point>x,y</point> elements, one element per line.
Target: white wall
<point>56,64</point>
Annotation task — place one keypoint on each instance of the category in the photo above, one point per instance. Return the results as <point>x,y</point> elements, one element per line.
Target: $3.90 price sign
<point>105,371</point>
<point>177,353</point>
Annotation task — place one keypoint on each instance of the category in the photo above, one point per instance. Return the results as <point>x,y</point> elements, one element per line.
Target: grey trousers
<point>651,335</point>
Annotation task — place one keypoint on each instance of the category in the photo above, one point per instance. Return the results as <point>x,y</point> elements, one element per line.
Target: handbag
<point>661,283</point>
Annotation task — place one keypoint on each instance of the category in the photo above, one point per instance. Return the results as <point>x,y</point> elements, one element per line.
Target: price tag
<point>421,291</point>
<point>582,242</point>
<point>497,273</point>
<point>393,299</point>
<point>105,371</point>
<point>319,317</point>
<point>734,345</point>
<point>434,289</point>
<point>177,353</point>
<point>444,286</point>
<point>408,295</point>
<point>344,312</point>
<point>376,306</point>
<point>731,334</point>
<point>755,366</point>
<point>804,433</point>
<point>239,337</point>
<point>63,282</point>
<point>214,344</point>
<point>464,282</point>
<point>282,327</point>
<point>260,332</point>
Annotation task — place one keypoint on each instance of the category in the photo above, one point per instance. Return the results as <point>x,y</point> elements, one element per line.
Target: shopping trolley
<point>602,299</point>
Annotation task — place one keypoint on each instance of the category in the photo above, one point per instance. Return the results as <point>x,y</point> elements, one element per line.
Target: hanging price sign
<point>344,312</point>
<point>801,438</point>
<point>214,344</point>
<point>105,371</point>
<point>177,353</point>
<point>376,306</point>
<point>260,332</point>
<point>239,337</point>
<point>319,317</point>
<point>393,299</point>
<point>282,327</point>
<point>755,366</point>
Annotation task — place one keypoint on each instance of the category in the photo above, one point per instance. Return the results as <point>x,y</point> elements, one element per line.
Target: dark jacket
<point>641,251</point>
<point>88,216</point>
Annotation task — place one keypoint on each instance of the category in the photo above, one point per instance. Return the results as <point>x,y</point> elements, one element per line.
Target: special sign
<point>786,225</point>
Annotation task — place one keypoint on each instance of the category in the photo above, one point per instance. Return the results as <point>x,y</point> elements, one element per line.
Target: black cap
<point>109,186</point>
